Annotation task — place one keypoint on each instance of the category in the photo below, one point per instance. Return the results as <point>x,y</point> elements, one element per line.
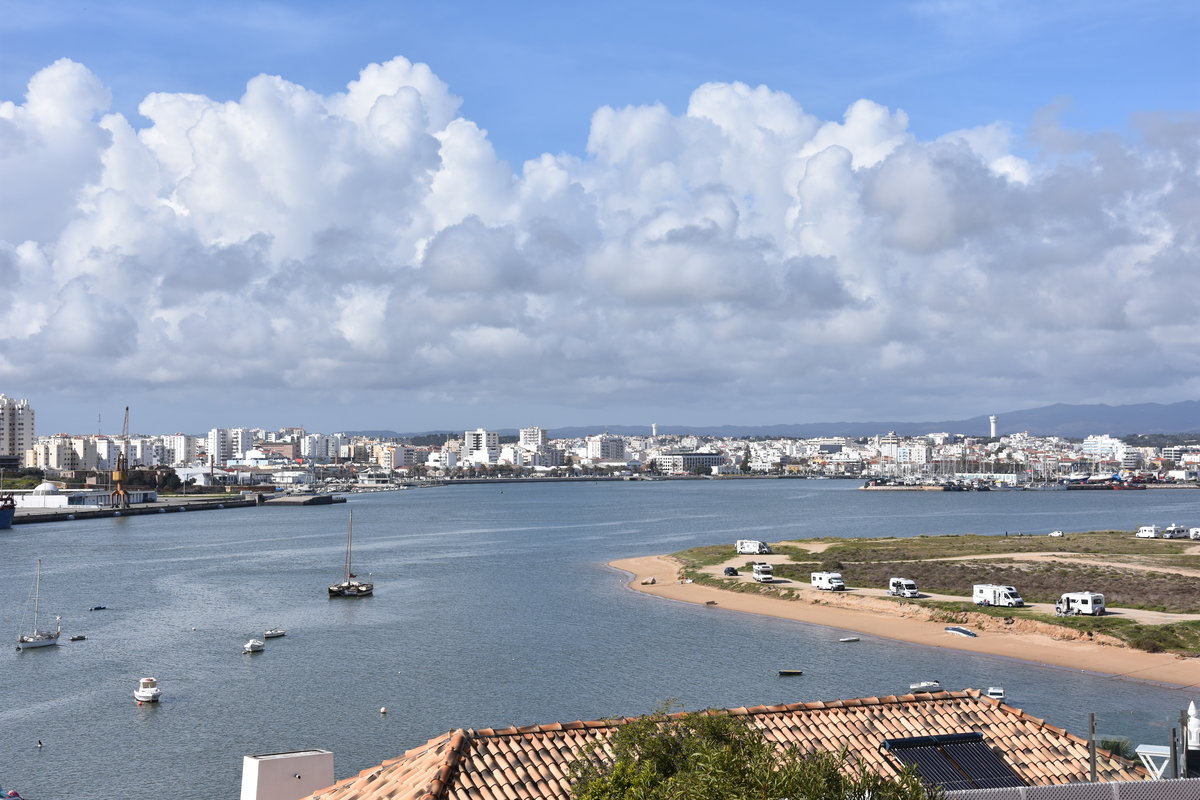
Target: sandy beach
<point>868,616</point>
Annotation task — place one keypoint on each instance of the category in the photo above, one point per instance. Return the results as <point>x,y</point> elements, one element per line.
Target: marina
<point>484,592</point>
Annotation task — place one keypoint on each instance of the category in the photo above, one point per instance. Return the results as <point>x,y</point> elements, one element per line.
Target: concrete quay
<point>25,516</point>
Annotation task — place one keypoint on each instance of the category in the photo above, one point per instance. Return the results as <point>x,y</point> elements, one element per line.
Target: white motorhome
<point>993,594</point>
<point>1073,603</point>
<point>1147,532</point>
<point>753,547</point>
<point>903,587</point>
<point>764,573</point>
<point>1174,531</point>
<point>1194,533</point>
<point>828,581</point>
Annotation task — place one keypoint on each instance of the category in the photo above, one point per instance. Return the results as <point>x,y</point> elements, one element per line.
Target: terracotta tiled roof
<point>533,762</point>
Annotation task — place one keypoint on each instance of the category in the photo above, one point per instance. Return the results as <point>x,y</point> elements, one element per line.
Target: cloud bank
<point>743,255</point>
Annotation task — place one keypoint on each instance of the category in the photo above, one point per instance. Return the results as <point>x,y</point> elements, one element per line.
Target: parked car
<point>731,572</point>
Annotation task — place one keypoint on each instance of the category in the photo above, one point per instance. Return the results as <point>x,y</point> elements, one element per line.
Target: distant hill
<point>1060,419</point>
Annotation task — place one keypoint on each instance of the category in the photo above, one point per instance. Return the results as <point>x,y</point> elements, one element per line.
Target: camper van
<point>1147,532</point>
<point>753,547</point>
<point>992,594</point>
<point>903,587</point>
<point>1174,531</point>
<point>1073,603</point>
<point>828,581</point>
<point>764,573</point>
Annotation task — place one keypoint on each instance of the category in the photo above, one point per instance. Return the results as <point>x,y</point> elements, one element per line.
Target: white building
<point>220,448</point>
<point>685,463</point>
<point>480,447</point>
<point>1104,447</point>
<point>533,439</point>
<point>180,448</point>
<point>606,447</point>
<point>16,427</point>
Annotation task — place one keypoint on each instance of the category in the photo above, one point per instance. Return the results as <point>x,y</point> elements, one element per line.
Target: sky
<point>443,216</point>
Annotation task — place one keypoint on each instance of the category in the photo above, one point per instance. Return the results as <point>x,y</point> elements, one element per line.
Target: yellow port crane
<point>120,497</point>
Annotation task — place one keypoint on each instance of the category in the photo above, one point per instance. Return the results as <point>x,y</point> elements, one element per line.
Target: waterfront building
<point>17,429</point>
<point>180,449</point>
<point>687,463</point>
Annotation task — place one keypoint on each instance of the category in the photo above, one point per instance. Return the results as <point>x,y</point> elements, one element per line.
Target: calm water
<point>494,607</point>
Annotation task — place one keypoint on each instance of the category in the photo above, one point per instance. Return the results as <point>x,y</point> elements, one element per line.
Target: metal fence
<point>1185,789</point>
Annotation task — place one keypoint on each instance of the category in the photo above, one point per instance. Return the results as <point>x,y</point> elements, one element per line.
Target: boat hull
<point>6,517</point>
<point>352,589</point>
<point>146,697</point>
<point>42,640</point>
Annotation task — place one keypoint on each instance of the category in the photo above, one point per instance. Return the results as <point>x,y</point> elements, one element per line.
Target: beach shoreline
<point>1102,658</point>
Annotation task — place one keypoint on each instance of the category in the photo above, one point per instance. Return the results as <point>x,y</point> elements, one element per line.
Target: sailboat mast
<point>349,541</point>
<point>37,592</point>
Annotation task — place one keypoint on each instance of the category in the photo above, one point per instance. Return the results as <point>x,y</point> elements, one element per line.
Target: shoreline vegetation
<point>1152,587</point>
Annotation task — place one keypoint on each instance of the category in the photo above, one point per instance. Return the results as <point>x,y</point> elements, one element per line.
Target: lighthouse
<point>992,422</point>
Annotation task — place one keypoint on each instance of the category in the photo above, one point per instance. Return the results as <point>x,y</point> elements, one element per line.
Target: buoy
<point>383,710</point>
<point>139,702</point>
<point>39,742</point>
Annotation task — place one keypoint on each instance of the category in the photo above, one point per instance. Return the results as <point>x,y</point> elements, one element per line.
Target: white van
<point>1073,603</point>
<point>1194,533</point>
<point>764,573</point>
<point>992,594</point>
<point>827,581</point>
<point>1147,532</point>
<point>903,587</point>
<point>752,547</point>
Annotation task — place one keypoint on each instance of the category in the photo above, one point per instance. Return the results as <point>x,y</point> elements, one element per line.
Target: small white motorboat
<point>995,692</point>
<point>147,691</point>
<point>959,630</point>
<point>253,646</point>
<point>848,639</point>
<point>274,633</point>
<point>924,686</point>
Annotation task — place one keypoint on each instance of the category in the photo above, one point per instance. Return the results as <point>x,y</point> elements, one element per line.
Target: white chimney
<point>286,776</point>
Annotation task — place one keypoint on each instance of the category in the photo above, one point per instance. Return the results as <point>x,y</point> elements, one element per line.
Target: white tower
<point>654,429</point>
<point>992,420</point>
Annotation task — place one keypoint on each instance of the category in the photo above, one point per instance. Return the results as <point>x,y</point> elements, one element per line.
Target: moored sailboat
<point>350,585</point>
<point>36,637</point>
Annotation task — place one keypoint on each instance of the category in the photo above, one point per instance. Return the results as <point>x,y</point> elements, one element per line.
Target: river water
<point>493,607</point>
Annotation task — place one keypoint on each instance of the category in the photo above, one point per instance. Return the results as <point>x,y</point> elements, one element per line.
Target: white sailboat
<point>351,586</point>
<point>36,637</point>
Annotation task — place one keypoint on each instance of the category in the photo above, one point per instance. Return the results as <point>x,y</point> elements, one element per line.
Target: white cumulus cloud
<point>741,255</point>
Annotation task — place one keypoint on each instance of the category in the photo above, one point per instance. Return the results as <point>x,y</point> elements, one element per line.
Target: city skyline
<point>435,218</point>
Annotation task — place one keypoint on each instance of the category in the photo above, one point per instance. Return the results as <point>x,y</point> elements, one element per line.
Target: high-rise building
<point>16,428</point>
<point>480,446</point>
<point>533,438</point>
<point>992,421</point>
<point>606,447</point>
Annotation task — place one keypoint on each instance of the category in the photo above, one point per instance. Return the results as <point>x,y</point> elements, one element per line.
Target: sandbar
<point>839,612</point>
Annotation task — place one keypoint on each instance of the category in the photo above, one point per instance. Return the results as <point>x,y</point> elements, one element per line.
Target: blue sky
<point>532,73</point>
<point>831,210</point>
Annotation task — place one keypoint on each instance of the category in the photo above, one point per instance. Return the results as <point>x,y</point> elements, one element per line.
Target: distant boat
<point>79,637</point>
<point>350,585</point>
<point>995,692</point>
<point>253,646</point>
<point>848,639</point>
<point>959,630</point>
<point>791,672</point>
<point>147,691</point>
<point>36,637</point>
<point>8,510</point>
<point>274,633</point>
<point>921,687</point>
